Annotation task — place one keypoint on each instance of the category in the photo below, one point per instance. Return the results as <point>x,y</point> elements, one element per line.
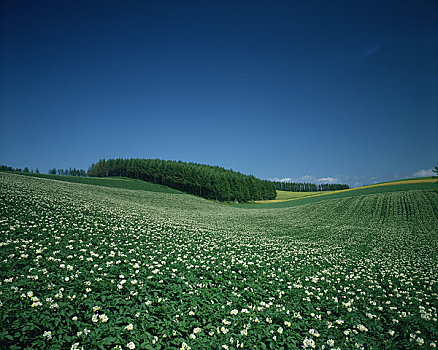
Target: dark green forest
<point>69,172</point>
<point>211,182</point>
<point>307,187</point>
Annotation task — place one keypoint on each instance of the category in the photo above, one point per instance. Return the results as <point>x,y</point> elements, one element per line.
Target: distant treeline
<point>70,172</point>
<point>25,170</point>
<point>211,182</point>
<point>307,187</point>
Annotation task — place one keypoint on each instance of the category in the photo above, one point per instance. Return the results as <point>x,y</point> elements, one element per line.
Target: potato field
<point>93,267</point>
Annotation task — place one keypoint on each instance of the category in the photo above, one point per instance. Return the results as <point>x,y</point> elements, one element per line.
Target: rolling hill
<point>99,266</point>
<point>290,199</point>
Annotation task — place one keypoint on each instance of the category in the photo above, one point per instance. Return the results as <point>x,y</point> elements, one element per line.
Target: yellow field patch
<point>284,197</point>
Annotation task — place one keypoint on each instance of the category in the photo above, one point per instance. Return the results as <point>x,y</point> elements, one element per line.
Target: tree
<point>6,168</point>
<point>211,182</point>
<point>435,170</point>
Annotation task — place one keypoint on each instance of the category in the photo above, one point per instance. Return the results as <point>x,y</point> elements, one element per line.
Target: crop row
<point>90,267</point>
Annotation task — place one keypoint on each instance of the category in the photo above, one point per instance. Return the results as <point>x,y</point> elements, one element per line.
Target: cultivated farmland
<point>85,266</point>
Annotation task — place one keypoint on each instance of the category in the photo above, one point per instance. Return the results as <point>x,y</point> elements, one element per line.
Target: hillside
<point>102,266</point>
<point>114,182</point>
<point>211,182</point>
<point>291,199</point>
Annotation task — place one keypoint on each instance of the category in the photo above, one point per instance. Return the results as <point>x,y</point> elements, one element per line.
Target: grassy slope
<point>363,242</point>
<point>288,218</point>
<point>287,195</point>
<point>284,199</point>
<point>115,182</point>
<point>393,186</point>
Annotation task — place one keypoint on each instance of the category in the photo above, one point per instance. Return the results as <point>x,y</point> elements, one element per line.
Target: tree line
<point>307,187</point>
<point>211,182</point>
<point>25,170</point>
<point>69,172</point>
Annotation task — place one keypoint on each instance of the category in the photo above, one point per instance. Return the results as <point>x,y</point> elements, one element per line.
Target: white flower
<point>234,312</point>
<point>244,332</point>
<point>47,334</point>
<point>129,327</point>
<point>184,346</point>
<point>103,318</point>
<point>308,343</point>
<point>224,330</point>
<point>197,330</point>
<point>313,332</point>
<point>75,346</point>
<point>362,328</point>
<point>280,330</point>
<point>192,336</point>
<point>330,342</point>
<point>131,345</point>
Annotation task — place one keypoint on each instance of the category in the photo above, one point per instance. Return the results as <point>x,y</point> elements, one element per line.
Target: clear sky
<point>344,91</point>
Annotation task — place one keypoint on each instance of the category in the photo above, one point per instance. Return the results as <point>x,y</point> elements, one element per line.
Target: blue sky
<point>343,91</point>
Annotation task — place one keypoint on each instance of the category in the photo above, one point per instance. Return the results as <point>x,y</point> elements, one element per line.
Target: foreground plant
<point>88,267</point>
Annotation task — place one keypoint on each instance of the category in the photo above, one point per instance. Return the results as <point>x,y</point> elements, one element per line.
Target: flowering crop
<point>88,267</point>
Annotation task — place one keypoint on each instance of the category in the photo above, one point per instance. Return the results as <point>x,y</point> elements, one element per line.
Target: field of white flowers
<point>89,267</point>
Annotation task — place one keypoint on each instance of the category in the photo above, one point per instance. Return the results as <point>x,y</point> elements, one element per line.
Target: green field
<point>104,267</point>
<point>286,195</point>
<point>115,182</point>
<point>322,196</point>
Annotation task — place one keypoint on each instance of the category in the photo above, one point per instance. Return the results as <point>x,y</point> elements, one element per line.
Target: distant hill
<point>161,255</point>
<point>300,198</point>
<point>114,182</point>
<point>211,182</point>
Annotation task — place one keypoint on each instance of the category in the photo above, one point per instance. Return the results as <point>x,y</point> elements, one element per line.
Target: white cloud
<point>308,178</point>
<point>284,179</point>
<point>329,179</point>
<point>423,173</point>
<point>351,180</point>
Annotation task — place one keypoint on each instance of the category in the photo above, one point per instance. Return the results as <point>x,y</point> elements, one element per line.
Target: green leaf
<point>109,340</point>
